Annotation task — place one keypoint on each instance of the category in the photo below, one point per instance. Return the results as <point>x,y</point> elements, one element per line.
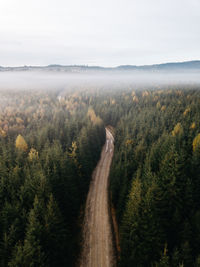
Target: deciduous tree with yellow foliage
<point>20,143</point>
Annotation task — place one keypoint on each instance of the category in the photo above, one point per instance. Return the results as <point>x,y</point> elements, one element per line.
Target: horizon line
<point>99,66</point>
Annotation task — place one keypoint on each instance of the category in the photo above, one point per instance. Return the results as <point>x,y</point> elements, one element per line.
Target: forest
<point>155,176</point>
<point>49,146</point>
<point>50,143</point>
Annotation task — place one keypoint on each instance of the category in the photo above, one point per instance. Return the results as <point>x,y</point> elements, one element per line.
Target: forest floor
<point>98,247</point>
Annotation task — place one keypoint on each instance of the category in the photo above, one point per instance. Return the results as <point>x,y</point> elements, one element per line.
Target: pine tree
<point>55,232</point>
<point>33,250</point>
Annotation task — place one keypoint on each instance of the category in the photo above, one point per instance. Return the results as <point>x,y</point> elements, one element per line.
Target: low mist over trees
<point>51,142</point>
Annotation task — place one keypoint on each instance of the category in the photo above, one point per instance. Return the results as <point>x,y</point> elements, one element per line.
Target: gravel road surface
<point>98,249</point>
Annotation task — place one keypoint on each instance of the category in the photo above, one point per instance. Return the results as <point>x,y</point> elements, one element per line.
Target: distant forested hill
<point>174,66</point>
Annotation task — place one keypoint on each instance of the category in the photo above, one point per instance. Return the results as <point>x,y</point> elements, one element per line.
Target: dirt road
<point>98,248</point>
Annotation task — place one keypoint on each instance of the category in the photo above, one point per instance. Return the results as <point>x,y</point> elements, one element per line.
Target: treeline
<point>155,175</point>
<point>49,146</point>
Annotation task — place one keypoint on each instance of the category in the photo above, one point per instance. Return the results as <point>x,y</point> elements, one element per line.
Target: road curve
<point>98,249</point>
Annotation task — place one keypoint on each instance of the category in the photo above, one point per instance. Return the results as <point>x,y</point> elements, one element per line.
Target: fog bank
<point>45,80</point>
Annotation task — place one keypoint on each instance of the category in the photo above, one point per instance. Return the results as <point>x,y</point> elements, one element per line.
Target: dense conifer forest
<point>50,142</point>
<point>155,176</point>
<point>49,146</point>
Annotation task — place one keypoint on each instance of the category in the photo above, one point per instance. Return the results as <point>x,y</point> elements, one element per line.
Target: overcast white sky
<point>103,32</point>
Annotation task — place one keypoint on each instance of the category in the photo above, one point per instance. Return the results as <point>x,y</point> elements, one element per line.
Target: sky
<point>103,32</point>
